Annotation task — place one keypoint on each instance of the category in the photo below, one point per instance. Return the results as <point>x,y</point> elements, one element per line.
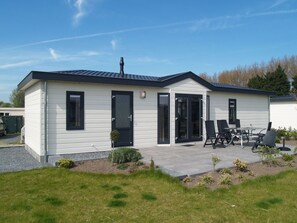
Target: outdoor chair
<point>210,134</point>
<point>241,132</point>
<point>260,135</point>
<point>268,140</point>
<point>224,133</point>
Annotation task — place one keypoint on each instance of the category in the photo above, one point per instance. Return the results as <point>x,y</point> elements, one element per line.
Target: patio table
<point>249,129</point>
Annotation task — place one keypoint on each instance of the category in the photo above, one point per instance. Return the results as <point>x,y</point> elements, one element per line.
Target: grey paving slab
<point>16,159</point>
<point>182,160</point>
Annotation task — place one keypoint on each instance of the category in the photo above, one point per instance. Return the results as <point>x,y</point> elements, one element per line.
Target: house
<point>71,113</point>
<point>283,111</point>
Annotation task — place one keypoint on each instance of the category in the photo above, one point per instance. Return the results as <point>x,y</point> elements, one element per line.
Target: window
<point>75,110</point>
<point>207,107</point>
<point>232,111</point>
<point>163,118</point>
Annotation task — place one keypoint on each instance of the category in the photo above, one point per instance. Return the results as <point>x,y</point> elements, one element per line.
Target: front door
<point>188,118</point>
<point>122,117</point>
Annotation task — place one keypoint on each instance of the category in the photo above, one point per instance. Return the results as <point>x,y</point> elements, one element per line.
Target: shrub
<point>226,170</point>
<point>65,163</point>
<point>225,179</point>
<point>114,136</point>
<point>268,155</point>
<point>124,155</point>
<point>240,165</point>
<point>207,179</point>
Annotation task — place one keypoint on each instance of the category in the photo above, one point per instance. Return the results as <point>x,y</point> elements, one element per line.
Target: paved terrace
<point>194,159</point>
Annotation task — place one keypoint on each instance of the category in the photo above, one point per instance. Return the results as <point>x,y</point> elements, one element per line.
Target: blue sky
<point>155,37</point>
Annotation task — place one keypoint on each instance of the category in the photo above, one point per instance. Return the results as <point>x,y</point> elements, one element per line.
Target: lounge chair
<point>224,133</point>
<point>261,134</point>
<point>210,134</point>
<point>268,140</point>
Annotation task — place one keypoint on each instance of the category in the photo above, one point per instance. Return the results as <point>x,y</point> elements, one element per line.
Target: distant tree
<point>257,82</point>
<point>17,98</point>
<point>277,81</point>
<point>4,104</point>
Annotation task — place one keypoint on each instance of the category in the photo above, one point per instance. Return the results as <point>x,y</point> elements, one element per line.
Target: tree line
<point>272,75</point>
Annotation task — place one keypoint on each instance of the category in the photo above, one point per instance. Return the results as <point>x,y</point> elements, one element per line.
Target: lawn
<point>60,195</point>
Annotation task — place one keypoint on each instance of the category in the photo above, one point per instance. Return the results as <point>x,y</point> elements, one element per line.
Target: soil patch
<point>232,176</point>
<point>106,167</point>
<point>211,180</point>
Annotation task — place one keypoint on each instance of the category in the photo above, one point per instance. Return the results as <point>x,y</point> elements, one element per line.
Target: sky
<point>155,37</point>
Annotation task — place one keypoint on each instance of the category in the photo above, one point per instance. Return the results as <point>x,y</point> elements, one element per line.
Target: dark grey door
<point>188,118</point>
<point>122,117</point>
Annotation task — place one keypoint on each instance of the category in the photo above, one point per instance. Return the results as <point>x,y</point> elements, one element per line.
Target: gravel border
<point>17,159</point>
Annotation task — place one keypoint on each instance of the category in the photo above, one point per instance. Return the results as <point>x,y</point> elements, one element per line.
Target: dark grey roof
<point>284,98</point>
<point>132,79</point>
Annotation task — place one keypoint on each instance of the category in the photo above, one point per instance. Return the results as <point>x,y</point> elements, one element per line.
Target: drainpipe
<point>268,108</point>
<point>45,123</point>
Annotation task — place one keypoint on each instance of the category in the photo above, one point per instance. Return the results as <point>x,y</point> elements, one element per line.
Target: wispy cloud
<point>53,54</point>
<point>80,10</point>
<point>17,64</point>
<point>113,44</point>
<point>277,3</point>
<point>203,23</point>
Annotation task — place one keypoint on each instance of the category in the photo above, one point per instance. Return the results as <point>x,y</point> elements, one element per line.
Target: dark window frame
<point>158,132</point>
<point>232,119</point>
<point>82,110</point>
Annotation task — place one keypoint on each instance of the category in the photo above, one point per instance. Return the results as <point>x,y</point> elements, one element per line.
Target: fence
<point>13,124</point>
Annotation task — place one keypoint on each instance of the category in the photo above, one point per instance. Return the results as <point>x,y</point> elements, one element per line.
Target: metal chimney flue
<point>122,67</point>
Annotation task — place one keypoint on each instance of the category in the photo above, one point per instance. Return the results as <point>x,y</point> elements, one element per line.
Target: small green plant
<point>114,137</point>
<point>215,160</point>
<point>122,166</point>
<point>268,155</point>
<point>287,157</point>
<point>120,195</point>
<point>116,204</point>
<point>187,179</point>
<point>240,165</point>
<point>295,150</point>
<point>225,170</point>
<point>241,177</point>
<point>65,163</point>
<point>152,165</point>
<point>207,179</point>
<point>124,155</point>
<point>225,179</point>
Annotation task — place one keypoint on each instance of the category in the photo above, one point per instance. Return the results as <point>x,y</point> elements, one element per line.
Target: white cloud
<point>90,53</point>
<point>277,3</point>
<point>17,64</point>
<point>113,44</point>
<point>79,6</point>
<point>53,54</point>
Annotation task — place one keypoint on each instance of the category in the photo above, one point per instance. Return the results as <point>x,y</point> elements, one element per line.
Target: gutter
<point>45,123</point>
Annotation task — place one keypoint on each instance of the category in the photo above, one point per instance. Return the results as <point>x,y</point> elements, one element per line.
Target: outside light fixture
<point>143,94</point>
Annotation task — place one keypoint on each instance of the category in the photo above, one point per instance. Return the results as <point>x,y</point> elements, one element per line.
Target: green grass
<point>59,195</point>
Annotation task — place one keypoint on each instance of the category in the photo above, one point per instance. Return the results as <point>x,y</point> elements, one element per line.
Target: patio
<point>193,159</point>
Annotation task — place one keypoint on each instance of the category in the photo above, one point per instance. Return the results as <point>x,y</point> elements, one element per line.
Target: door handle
<point>112,119</point>
<point>130,117</point>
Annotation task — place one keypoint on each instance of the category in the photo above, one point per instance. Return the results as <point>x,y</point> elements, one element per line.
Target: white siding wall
<point>97,117</point>
<point>284,114</point>
<point>33,113</point>
<point>187,86</point>
<point>251,109</point>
